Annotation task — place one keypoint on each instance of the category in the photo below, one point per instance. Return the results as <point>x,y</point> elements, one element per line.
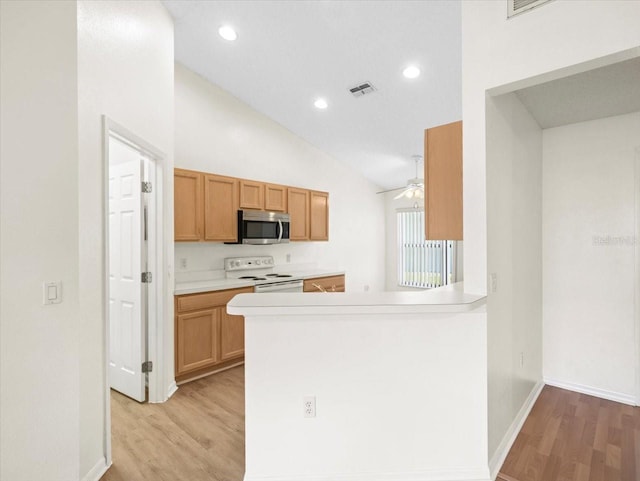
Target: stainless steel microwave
<point>260,227</point>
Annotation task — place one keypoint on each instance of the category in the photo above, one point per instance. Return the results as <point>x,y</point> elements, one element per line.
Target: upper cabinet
<point>275,198</point>
<point>251,195</point>
<point>188,205</point>
<point>443,182</point>
<point>319,216</point>
<point>220,208</point>
<point>298,200</point>
<point>206,207</point>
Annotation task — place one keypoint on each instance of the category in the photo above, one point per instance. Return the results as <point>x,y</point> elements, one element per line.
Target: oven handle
<point>281,230</point>
<point>290,286</point>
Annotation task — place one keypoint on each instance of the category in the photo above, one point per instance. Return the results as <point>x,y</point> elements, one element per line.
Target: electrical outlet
<point>309,405</point>
<point>366,288</point>
<point>522,359</point>
<point>183,263</point>
<point>288,257</point>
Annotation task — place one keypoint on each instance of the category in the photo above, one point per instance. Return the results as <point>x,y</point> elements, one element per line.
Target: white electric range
<point>260,270</point>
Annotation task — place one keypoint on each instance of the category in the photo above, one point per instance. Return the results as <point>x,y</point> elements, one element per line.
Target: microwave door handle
<point>281,229</point>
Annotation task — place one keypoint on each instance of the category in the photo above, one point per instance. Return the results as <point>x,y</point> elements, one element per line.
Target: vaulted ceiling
<point>288,53</point>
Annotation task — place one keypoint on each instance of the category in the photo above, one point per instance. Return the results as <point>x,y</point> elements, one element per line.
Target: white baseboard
<point>500,454</point>
<point>173,387</point>
<point>593,391</point>
<point>462,474</point>
<point>97,471</point>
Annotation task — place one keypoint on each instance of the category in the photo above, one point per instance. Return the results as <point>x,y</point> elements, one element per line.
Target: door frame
<point>636,286</point>
<point>155,255</point>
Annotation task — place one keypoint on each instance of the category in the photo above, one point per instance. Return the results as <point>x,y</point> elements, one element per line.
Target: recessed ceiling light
<point>411,72</point>
<point>321,104</point>
<point>228,33</point>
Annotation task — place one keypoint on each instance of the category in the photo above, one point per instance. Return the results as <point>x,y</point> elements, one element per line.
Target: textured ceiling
<point>597,93</point>
<point>290,52</point>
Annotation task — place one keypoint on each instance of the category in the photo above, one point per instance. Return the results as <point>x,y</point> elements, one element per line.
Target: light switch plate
<point>52,292</point>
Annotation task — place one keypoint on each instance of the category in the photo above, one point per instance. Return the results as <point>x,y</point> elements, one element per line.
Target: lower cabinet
<point>324,284</point>
<point>206,337</point>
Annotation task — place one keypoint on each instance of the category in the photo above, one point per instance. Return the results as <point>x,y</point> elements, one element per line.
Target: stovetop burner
<point>253,278</point>
<point>279,275</point>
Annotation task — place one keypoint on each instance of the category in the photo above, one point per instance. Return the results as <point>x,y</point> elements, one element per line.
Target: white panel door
<point>126,308</point>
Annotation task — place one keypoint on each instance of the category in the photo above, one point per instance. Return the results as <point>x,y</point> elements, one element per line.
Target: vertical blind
<point>422,263</point>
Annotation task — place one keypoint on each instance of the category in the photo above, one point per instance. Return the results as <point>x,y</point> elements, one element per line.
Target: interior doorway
<point>133,268</point>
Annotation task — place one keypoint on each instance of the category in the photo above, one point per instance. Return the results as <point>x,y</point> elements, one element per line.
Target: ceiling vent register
<point>362,89</point>
<point>514,7</point>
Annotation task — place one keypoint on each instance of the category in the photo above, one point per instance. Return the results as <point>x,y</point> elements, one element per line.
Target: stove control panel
<point>244,263</point>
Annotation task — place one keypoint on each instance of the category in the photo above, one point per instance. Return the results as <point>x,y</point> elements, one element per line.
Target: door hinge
<point>147,277</point>
<point>146,187</point>
<point>147,366</point>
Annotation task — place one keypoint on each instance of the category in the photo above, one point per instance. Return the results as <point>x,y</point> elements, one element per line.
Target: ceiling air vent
<point>362,89</point>
<point>514,7</point>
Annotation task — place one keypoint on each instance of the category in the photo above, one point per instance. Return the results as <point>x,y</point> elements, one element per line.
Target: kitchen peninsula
<point>398,383</point>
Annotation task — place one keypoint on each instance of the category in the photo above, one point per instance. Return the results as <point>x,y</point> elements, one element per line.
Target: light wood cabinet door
<point>319,216</point>
<point>324,284</point>
<point>188,211</point>
<point>298,200</point>
<point>443,182</point>
<point>251,195</point>
<point>231,335</point>
<point>275,198</point>
<point>197,340</point>
<point>220,208</point>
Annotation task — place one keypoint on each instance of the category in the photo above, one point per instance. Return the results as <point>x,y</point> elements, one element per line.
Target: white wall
<point>589,279</point>
<point>125,71</point>
<point>514,230</point>
<point>377,417</point>
<point>39,362</point>
<point>216,132</point>
<point>497,51</point>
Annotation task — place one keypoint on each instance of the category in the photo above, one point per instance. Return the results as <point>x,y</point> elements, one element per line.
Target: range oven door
<point>258,227</point>
<point>284,286</point>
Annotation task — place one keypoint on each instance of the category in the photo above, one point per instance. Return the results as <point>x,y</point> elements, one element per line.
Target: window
<point>422,263</point>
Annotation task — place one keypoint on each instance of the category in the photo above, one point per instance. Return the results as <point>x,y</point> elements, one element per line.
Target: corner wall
<point>497,51</point>
<point>39,227</point>
<point>514,234</point>
<point>589,256</point>
<point>218,133</point>
<point>125,71</point>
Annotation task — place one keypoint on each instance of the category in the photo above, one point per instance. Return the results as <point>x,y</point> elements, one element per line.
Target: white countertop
<point>193,287</point>
<point>444,299</point>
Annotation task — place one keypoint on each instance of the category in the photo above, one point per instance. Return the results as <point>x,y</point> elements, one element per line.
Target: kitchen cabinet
<point>251,194</point>
<point>188,205</point>
<point>206,337</point>
<point>298,200</point>
<point>324,284</point>
<point>275,198</point>
<point>220,208</point>
<point>319,216</point>
<point>206,207</point>
<point>443,182</point>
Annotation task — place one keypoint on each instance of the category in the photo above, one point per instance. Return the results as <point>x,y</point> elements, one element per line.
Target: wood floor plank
<point>198,435</point>
<point>576,437</point>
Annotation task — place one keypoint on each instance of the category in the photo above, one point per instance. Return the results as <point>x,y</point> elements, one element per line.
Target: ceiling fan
<point>414,188</point>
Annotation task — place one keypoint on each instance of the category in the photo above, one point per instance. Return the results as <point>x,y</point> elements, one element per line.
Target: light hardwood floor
<point>197,435</point>
<point>575,437</point>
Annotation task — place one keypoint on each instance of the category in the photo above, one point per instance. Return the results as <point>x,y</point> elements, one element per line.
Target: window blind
<point>422,263</point>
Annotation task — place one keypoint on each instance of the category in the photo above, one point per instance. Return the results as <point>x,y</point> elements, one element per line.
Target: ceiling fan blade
<point>390,190</point>
<point>401,194</point>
